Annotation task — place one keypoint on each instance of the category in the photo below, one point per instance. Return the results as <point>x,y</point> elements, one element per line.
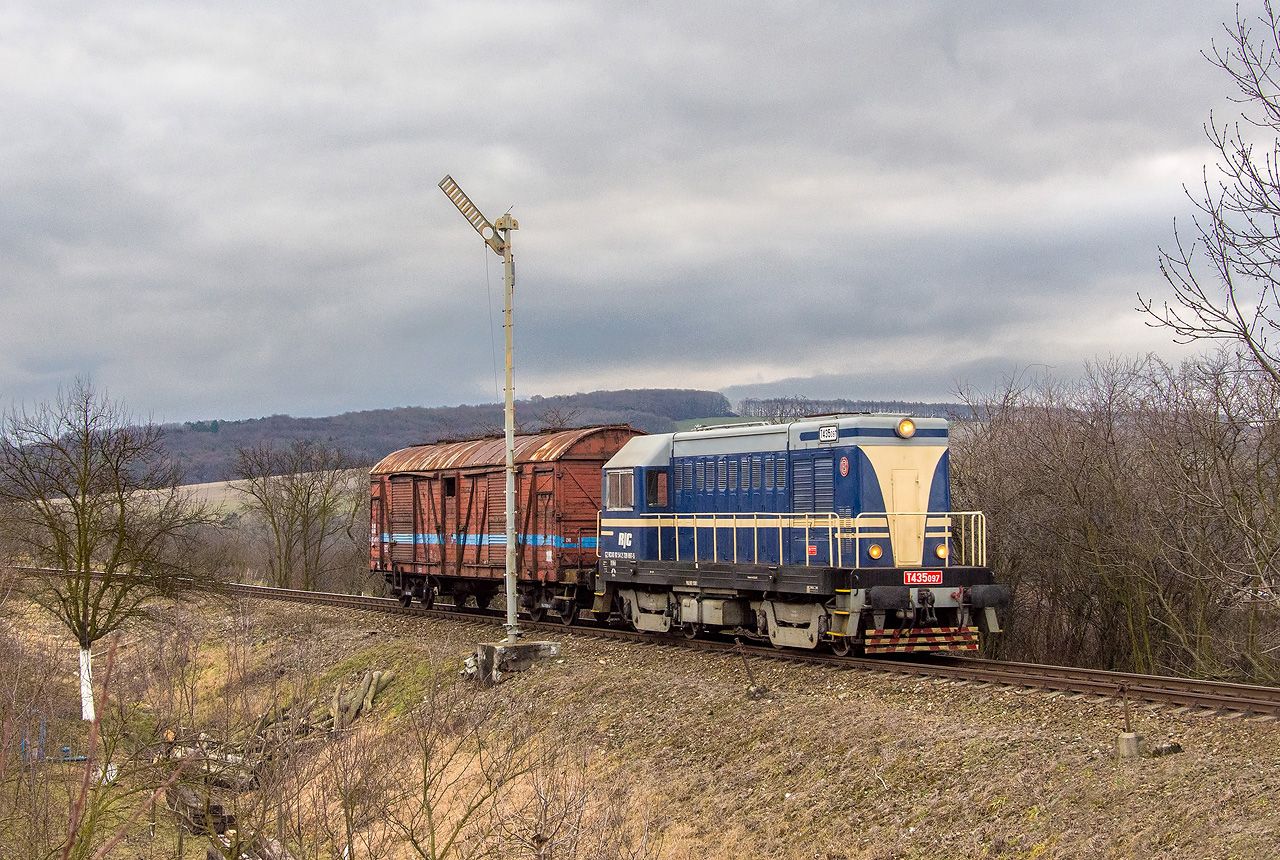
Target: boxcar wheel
<point>570,615</point>
<point>483,599</point>
<point>427,597</point>
<point>458,597</point>
<point>536,613</point>
<point>406,599</point>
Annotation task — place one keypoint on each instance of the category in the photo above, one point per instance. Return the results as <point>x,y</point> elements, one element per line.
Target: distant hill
<point>207,449</point>
<point>788,408</point>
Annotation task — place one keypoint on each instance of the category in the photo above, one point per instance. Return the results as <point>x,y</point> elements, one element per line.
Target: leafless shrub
<point>558,812</point>
<point>352,785</point>
<point>468,749</point>
<point>1133,512</point>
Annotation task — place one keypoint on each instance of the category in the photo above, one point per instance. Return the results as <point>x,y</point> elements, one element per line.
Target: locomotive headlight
<point>906,428</point>
<point>875,551</point>
<point>941,550</point>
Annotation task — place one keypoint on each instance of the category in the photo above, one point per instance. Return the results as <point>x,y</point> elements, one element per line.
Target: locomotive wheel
<point>690,630</point>
<point>841,646</point>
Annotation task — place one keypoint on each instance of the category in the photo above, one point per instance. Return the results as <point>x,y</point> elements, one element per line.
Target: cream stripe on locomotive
<point>867,525</point>
<point>905,475</point>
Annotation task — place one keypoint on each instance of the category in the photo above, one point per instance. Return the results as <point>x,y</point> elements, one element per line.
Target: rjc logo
<point>624,539</point>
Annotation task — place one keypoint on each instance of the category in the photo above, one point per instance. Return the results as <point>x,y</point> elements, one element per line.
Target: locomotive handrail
<point>964,533</point>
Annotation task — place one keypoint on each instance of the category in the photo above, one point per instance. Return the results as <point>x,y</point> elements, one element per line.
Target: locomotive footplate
<point>797,580</point>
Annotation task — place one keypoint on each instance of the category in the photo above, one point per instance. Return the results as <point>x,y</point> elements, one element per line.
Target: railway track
<point>1216,696</point>
<point>1157,689</point>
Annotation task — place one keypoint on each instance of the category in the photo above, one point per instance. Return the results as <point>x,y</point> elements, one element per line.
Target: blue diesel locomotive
<point>831,529</point>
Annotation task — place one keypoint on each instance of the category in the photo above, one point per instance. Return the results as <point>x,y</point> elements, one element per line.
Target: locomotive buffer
<point>493,660</point>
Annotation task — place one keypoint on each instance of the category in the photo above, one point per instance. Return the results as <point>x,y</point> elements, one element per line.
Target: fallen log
<point>197,812</point>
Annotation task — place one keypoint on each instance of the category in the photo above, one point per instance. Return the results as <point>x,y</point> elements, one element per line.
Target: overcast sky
<point>230,210</point>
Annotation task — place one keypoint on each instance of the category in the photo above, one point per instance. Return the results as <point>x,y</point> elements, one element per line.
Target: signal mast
<point>497,235</point>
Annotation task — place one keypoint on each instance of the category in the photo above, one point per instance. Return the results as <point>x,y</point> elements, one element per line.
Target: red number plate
<point>922,577</point>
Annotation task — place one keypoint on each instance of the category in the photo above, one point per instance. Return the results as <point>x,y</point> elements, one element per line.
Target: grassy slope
<point>830,764</point>
<point>849,764</point>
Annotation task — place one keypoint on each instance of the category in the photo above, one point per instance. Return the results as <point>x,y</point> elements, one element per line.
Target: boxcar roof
<point>491,451</point>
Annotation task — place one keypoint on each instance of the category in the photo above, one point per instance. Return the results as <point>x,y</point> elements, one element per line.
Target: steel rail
<point>1220,696</point>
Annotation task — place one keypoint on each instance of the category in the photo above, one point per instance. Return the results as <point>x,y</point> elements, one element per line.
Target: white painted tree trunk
<point>86,685</point>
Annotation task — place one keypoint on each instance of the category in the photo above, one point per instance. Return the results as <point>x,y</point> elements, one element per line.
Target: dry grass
<point>830,765</point>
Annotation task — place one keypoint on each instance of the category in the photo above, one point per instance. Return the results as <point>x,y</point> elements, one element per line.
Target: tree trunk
<point>86,685</point>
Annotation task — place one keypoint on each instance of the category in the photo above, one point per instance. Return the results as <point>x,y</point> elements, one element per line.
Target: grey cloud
<point>229,210</point>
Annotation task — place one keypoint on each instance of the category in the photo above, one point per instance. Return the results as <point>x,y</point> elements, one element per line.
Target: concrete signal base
<point>1129,745</point>
<point>493,661</point>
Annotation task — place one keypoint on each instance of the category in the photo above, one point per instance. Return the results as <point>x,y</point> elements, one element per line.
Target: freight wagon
<point>439,525</point>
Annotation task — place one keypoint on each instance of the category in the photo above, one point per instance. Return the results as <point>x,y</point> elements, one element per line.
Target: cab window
<point>655,488</point>
<point>619,490</point>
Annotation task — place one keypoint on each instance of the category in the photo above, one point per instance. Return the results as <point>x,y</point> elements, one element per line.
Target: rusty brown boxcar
<point>439,524</point>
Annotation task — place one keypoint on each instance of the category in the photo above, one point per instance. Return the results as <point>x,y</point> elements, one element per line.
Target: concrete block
<point>1128,745</point>
<point>493,661</point>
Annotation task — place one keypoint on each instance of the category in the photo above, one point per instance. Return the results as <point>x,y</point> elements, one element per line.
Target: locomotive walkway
<point>1224,698</point>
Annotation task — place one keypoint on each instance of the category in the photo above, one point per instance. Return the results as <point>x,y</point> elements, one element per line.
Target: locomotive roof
<point>805,433</point>
<point>491,450</point>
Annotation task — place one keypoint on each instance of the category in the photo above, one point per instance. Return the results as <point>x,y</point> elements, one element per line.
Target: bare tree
<point>777,410</point>
<point>91,494</point>
<point>308,500</point>
<point>1225,271</point>
<point>555,414</point>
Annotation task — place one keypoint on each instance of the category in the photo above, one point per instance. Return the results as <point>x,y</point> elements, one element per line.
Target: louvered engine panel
<point>803,499</point>
<point>823,485</point>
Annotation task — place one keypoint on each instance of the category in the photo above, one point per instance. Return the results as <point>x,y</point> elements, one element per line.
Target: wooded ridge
<point>207,449</point>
